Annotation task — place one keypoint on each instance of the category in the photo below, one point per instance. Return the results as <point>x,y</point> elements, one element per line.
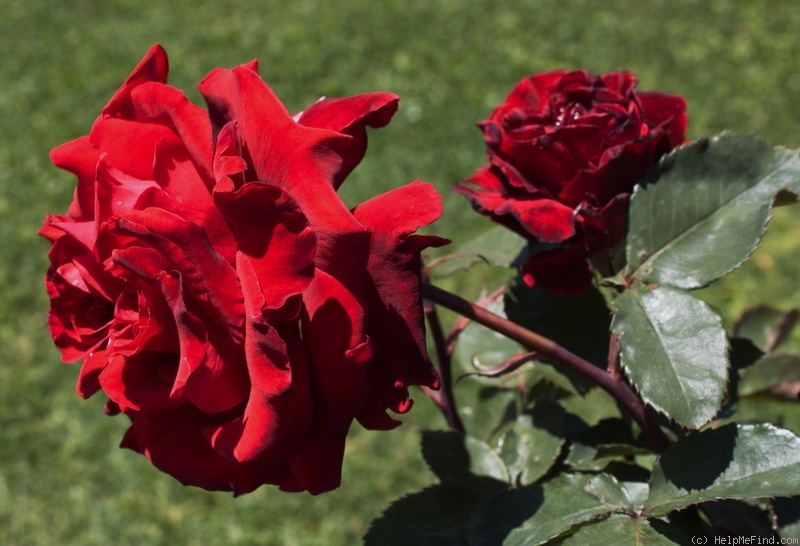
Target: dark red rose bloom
<point>218,290</point>
<point>565,150</point>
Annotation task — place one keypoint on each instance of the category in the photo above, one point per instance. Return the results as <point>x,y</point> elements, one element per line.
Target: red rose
<point>565,150</point>
<point>221,294</point>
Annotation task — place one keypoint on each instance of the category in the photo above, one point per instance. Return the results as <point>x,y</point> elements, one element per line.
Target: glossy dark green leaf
<point>638,493</point>
<point>532,515</point>
<point>730,462</point>
<point>769,372</point>
<point>427,513</point>
<point>497,246</point>
<point>458,458</point>
<point>532,444</point>
<point>703,210</point>
<point>627,531</point>
<point>609,491</point>
<point>674,349</point>
<point>579,323</point>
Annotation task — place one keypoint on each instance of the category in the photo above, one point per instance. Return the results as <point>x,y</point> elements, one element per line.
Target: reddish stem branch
<point>444,398</point>
<point>462,322</point>
<point>613,358</point>
<point>616,387</point>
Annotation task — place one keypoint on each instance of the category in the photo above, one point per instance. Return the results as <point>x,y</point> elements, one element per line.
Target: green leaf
<point>458,458</point>
<point>740,517</point>
<point>730,462</point>
<point>496,246</point>
<point>427,513</point>
<point>703,210</point>
<point>484,409</point>
<point>638,492</point>
<point>743,353</point>
<point>561,377</point>
<point>788,513</point>
<point>532,515</point>
<point>579,323</point>
<point>480,347</point>
<point>769,372</point>
<point>597,457</point>
<point>451,538</point>
<point>532,445</point>
<point>782,413</point>
<point>627,531</point>
<point>592,408</point>
<point>609,492</point>
<point>608,441</point>
<point>675,351</point>
<point>765,326</point>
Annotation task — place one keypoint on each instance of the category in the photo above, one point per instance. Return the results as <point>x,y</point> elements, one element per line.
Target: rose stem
<point>444,398</point>
<point>616,387</point>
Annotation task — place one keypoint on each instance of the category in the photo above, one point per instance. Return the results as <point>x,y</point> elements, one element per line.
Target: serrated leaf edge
<point>648,509</point>
<point>647,399</point>
<point>792,156</point>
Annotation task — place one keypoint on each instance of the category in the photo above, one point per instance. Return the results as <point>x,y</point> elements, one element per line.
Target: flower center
<point>569,113</point>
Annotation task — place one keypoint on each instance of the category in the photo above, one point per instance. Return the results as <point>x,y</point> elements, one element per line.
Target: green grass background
<point>62,478</point>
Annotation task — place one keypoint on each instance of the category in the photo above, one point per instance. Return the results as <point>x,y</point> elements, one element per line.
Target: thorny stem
<point>444,398</point>
<point>615,386</point>
<point>462,322</point>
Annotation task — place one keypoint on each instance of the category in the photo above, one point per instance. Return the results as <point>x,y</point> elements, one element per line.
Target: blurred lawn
<point>62,479</point>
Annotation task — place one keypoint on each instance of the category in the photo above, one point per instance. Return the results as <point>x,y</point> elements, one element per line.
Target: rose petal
<point>351,116</point>
<point>660,108</point>
<point>129,146</point>
<point>396,323</point>
<point>209,277</point>
<point>79,157</point>
<point>140,382</point>
<point>175,443</point>
<point>160,104</point>
<point>116,192</point>
<point>274,235</point>
<point>89,377</point>
<point>539,217</point>
<point>208,356</point>
<point>339,350</point>
<point>280,406</point>
<point>304,161</point>
<point>154,67</point>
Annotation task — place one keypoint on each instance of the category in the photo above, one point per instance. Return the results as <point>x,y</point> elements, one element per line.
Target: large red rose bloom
<point>220,293</point>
